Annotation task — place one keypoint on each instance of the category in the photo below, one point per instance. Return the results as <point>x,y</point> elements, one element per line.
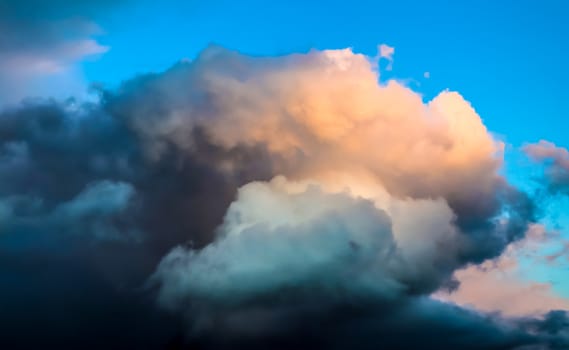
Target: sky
<point>247,174</point>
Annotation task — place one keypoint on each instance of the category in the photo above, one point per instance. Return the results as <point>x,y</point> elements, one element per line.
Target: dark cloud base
<point>64,286</point>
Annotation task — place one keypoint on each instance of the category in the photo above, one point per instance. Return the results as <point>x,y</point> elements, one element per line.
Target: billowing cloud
<point>267,202</point>
<point>326,117</point>
<point>303,239</point>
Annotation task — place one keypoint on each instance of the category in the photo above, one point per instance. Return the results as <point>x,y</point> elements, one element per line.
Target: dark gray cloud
<point>85,216</point>
<point>368,324</point>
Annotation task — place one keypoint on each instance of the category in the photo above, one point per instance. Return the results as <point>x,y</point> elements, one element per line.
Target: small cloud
<point>426,75</point>
<point>386,52</point>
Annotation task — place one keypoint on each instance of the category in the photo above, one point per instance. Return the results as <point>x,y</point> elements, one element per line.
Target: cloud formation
<point>267,202</point>
<point>326,118</point>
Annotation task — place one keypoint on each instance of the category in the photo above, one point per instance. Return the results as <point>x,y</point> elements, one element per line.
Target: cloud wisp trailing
<point>265,202</point>
<point>41,44</point>
<point>556,160</point>
<point>495,285</point>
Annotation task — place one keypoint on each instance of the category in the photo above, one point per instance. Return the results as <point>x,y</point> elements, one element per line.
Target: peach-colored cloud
<point>325,112</point>
<point>495,285</point>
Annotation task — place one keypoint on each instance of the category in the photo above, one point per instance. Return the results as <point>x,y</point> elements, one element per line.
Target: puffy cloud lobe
<point>556,161</point>
<point>308,240</point>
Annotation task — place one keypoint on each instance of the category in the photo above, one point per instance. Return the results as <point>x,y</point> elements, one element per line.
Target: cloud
<point>496,285</point>
<point>40,46</point>
<point>309,255</point>
<point>85,211</point>
<point>556,160</point>
<point>283,199</point>
<point>308,240</point>
<point>386,52</point>
<point>321,114</point>
<point>91,212</point>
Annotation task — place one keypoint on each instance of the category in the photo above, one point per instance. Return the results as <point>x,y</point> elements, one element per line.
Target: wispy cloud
<point>498,285</point>
<point>38,53</point>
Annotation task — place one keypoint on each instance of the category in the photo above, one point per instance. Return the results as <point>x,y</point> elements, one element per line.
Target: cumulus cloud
<point>329,121</point>
<point>377,197</point>
<point>308,240</point>
<point>326,117</point>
